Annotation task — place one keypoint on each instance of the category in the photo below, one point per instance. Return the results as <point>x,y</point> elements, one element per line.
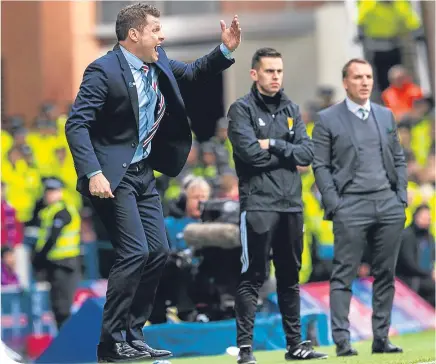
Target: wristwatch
<point>272,142</point>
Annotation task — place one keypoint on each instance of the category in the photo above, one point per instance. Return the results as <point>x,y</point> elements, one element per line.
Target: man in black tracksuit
<point>269,141</point>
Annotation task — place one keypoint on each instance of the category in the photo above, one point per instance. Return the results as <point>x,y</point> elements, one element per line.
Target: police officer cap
<point>53,184</point>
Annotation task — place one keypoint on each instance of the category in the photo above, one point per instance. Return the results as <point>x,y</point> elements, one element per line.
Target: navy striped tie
<point>160,106</point>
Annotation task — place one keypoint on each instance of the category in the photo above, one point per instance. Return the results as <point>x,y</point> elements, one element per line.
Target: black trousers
<point>383,61</point>
<point>262,231</point>
<point>64,281</point>
<point>135,224</point>
<point>362,220</point>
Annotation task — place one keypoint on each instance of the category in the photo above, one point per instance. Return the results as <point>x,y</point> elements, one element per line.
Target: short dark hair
<point>264,52</point>
<point>350,62</point>
<point>133,16</point>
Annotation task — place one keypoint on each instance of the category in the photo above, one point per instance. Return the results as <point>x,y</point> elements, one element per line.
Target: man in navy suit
<point>129,119</point>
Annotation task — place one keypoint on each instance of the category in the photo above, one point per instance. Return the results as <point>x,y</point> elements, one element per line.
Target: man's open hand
<point>231,37</point>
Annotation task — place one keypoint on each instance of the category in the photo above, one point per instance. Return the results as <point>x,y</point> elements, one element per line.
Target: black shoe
<point>246,355</point>
<point>304,351</point>
<point>142,347</point>
<point>345,349</point>
<point>119,352</point>
<point>385,346</point>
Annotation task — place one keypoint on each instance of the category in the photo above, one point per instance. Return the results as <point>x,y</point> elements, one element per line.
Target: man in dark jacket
<point>269,141</point>
<point>128,119</point>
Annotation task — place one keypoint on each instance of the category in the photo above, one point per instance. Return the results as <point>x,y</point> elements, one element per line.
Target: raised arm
<point>216,61</point>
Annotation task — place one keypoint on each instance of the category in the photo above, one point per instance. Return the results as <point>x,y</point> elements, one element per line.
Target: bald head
<point>397,75</point>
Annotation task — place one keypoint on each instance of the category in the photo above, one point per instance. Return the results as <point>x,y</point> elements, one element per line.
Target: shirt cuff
<point>89,175</point>
<point>277,146</point>
<point>225,51</point>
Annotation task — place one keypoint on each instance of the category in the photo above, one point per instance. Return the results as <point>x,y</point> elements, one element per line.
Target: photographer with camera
<point>269,142</point>
<point>177,279</point>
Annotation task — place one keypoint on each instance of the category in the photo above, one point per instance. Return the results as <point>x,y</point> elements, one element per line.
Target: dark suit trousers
<point>362,220</point>
<point>135,224</point>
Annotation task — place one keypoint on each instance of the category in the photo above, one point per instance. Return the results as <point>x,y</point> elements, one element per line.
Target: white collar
<point>353,107</point>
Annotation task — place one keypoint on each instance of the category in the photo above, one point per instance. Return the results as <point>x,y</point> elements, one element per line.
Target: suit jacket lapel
<point>163,66</point>
<point>347,124</point>
<point>130,82</point>
<point>164,69</point>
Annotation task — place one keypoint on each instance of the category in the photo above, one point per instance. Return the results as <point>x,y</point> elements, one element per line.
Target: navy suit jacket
<point>102,128</point>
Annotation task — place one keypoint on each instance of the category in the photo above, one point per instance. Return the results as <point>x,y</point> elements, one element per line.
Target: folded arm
<point>244,141</point>
<point>300,151</point>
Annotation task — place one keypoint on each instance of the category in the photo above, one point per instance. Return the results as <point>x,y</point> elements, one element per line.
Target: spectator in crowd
<point>209,159</point>
<point>23,183</point>
<point>175,288</point>
<point>11,228</point>
<point>401,93</point>
<point>318,239</point>
<point>63,169</point>
<point>326,95</point>
<point>222,147</point>
<point>58,248</point>
<point>42,141</point>
<point>196,191</point>
<point>49,111</point>
<point>421,137</point>
<point>414,170</point>
<point>9,276</point>
<point>229,187</point>
<point>381,26</point>
<point>416,261</point>
<point>419,110</point>
<point>19,135</point>
<point>308,114</point>
<point>428,175</point>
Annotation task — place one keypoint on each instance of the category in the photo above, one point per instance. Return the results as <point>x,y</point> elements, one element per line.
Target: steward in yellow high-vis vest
<point>382,24</point>
<point>58,248</point>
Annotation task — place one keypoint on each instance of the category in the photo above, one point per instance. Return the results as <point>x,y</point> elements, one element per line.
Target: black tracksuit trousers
<point>263,232</point>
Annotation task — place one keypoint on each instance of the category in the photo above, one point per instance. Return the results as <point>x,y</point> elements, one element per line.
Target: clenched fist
<point>99,186</point>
